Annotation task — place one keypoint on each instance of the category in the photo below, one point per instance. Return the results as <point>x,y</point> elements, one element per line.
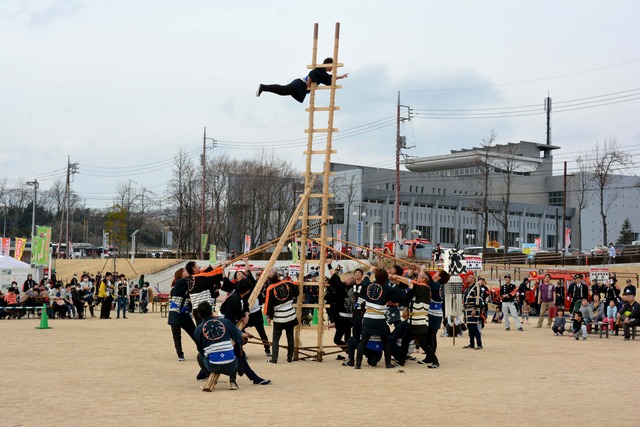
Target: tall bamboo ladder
<point>303,212</point>
<point>322,194</point>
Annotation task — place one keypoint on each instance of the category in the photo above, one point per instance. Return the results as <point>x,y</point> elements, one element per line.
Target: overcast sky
<point>121,86</point>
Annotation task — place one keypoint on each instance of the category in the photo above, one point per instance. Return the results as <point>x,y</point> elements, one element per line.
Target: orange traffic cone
<point>44,319</point>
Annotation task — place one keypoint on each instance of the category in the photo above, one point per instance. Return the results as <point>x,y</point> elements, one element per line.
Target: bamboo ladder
<point>308,200</point>
<point>324,196</point>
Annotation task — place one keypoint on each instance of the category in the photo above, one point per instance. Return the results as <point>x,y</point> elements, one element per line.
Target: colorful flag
<point>247,243</point>
<point>40,246</point>
<point>212,254</point>
<point>20,244</point>
<point>294,252</point>
<point>5,248</point>
<point>338,243</point>
<point>567,238</point>
<point>203,241</point>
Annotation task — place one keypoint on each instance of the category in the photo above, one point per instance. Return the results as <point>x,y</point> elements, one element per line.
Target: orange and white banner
<point>5,248</point>
<point>20,245</point>
<point>247,243</point>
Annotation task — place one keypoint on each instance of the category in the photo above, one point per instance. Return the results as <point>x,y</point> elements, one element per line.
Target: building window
<point>446,235</point>
<point>555,198</point>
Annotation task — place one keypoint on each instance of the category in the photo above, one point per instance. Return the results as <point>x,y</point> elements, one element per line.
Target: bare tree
<point>180,192</point>
<point>582,183</point>
<point>606,160</point>
<point>482,204</point>
<point>508,165</point>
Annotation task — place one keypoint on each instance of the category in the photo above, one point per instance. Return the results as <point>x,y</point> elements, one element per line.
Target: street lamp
<point>360,215</point>
<point>133,245</point>
<point>471,237</point>
<point>35,185</point>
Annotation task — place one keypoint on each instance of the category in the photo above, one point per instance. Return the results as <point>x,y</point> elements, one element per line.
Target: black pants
<point>627,327</point>
<point>557,330</point>
<point>386,348</point>
<point>105,307</point>
<point>257,321</point>
<point>79,305</point>
<point>176,331</point>
<point>297,89</point>
<point>432,340</point>
<point>422,342</point>
<point>474,333</point>
<point>343,329</point>
<point>275,343</point>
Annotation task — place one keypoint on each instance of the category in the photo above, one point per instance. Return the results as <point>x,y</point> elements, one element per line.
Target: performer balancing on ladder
<point>299,88</point>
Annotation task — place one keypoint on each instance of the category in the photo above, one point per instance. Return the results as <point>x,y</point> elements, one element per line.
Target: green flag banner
<point>212,254</point>
<point>40,246</point>
<point>294,252</point>
<point>203,241</point>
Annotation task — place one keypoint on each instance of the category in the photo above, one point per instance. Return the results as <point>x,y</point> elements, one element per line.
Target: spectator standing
<point>526,311</point>
<point>122,291</point>
<point>578,291</point>
<point>508,294</point>
<point>612,253</point>
<point>105,293</point>
<point>546,300</point>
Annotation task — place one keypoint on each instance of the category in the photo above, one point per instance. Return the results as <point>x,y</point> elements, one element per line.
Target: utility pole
<point>397,205</point>
<point>72,168</point>
<point>400,143</point>
<point>564,211</point>
<point>547,108</point>
<point>204,172</point>
<point>35,185</point>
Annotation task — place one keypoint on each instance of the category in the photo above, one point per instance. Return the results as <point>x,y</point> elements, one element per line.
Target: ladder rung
<point>317,217</point>
<point>322,109</point>
<point>323,130</point>
<point>319,173</point>
<point>319,196</point>
<point>338,64</point>
<point>328,87</point>
<point>320,152</point>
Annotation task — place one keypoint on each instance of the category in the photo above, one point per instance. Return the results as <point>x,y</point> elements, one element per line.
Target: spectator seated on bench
<point>59,303</point>
<point>11,300</point>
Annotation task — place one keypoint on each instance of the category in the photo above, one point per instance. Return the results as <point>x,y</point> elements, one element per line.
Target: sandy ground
<point>66,267</point>
<point>125,372</point>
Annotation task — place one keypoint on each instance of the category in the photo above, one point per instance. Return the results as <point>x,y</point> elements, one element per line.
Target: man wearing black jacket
<point>629,314</point>
<point>578,291</point>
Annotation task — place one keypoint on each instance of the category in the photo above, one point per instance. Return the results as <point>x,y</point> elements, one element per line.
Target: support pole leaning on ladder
<point>283,238</point>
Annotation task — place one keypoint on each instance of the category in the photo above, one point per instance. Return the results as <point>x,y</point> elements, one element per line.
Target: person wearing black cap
<point>578,291</point>
<point>630,288</point>
<point>508,293</point>
<point>629,314</point>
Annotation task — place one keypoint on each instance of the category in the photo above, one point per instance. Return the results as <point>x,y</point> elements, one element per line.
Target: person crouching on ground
<point>215,338</point>
<point>559,323</point>
<point>578,326</point>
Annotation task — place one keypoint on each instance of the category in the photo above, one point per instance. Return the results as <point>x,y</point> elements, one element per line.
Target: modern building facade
<point>441,199</point>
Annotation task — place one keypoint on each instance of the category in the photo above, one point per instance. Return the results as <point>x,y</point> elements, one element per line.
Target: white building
<point>439,197</point>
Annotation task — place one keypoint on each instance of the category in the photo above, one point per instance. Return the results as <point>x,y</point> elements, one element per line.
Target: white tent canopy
<point>12,269</point>
<point>11,262</point>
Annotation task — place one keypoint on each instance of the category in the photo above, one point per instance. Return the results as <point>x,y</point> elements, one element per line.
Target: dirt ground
<point>66,267</point>
<point>125,372</point>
